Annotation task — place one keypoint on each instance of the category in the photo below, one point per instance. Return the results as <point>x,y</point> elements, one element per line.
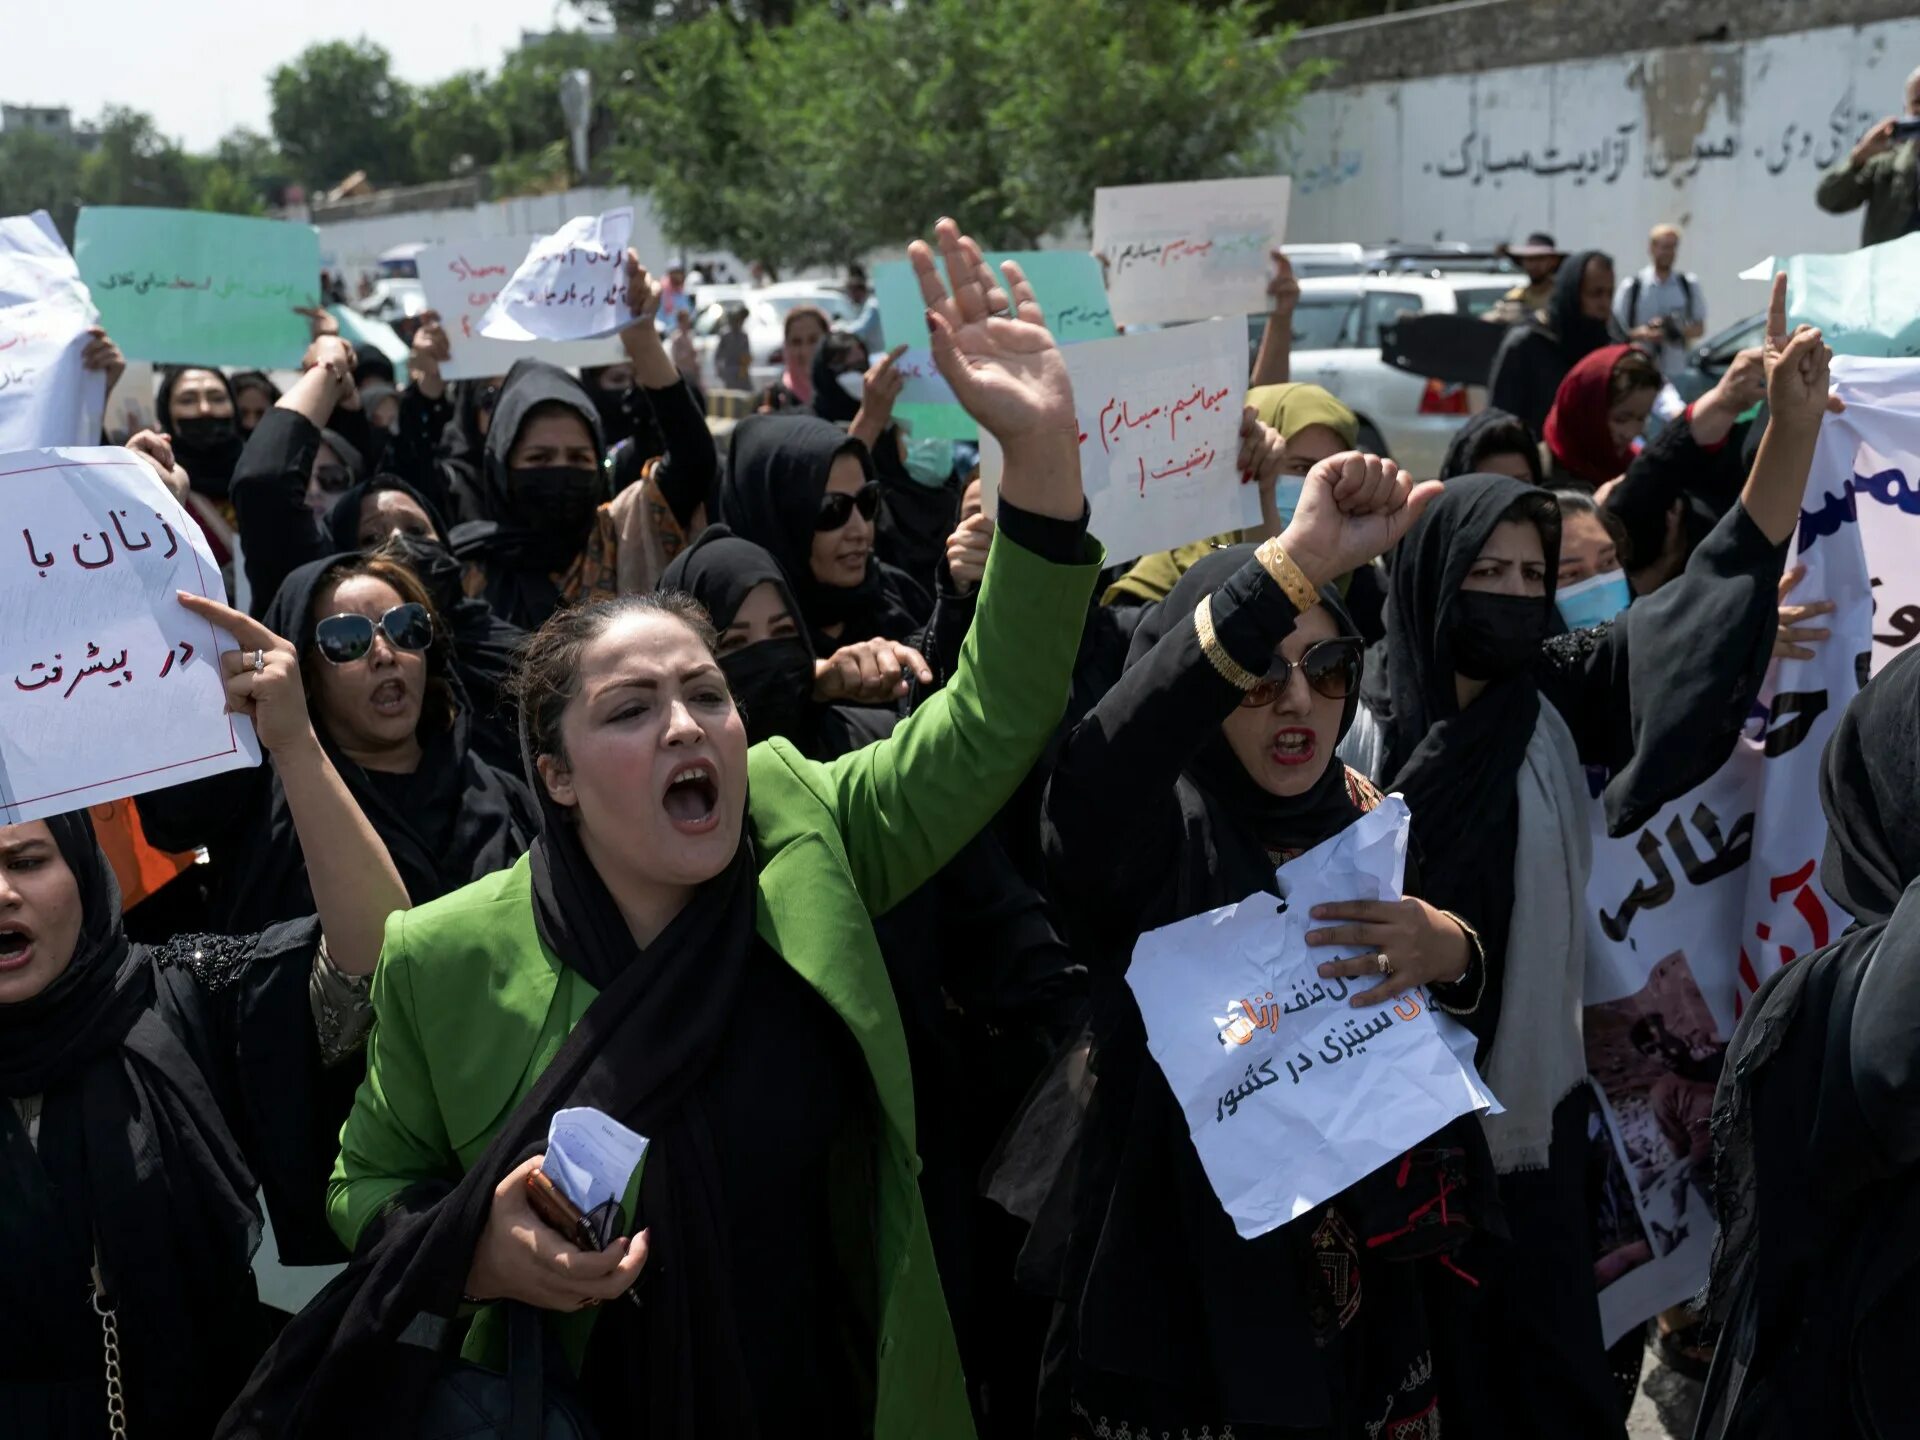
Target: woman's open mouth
<point>693,798</point>
<point>389,698</point>
<point>1294,745</point>
<point>16,947</point>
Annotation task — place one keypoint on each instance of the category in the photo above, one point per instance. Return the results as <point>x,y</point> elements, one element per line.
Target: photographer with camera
<point>1662,307</point>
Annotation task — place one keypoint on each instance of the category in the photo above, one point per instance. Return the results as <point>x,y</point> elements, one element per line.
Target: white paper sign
<point>108,687</point>
<point>461,280</point>
<point>591,1156</point>
<point>46,398</point>
<point>1291,1094</point>
<point>1159,436</point>
<point>1188,251</point>
<point>572,285</point>
<point>35,263</point>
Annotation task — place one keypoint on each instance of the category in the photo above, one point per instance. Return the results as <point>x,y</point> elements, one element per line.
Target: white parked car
<point>1336,344</point>
<point>767,309</point>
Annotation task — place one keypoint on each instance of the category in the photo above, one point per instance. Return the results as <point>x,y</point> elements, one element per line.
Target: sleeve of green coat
<point>1845,188</point>
<point>907,804</point>
<point>394,1137</point>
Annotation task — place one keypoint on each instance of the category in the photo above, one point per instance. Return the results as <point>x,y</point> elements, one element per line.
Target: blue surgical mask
<point>1594,601</point>
<point>1286,495</point>
<point>929,461</point>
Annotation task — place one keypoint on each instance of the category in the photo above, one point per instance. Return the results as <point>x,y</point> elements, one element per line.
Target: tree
<point>134,164</point>
<point>39,172</point>
<point>456,126</point>
<point>1007,112</point>
<point>339,108</point>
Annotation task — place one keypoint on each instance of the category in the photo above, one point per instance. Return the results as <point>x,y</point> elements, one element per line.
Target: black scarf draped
<point>1576,333</point>
<point>1457,768</point>
<point>209,467</point>
<point>777,472</point>
<point>519,558</point>
<point>1816,1267</point>
<point>1491,432</point>
<point>134,1157</point>
<point>456,818</point>
<point>641,1053</point>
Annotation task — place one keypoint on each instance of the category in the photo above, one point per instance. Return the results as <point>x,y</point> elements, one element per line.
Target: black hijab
<point>135,1162</point>
<point>772,680</point>
<point>1457,768</point>
<point>343,520</point>
<point>522,539</point>
<point>641,1053</point>
<point>777,472</point>
<point>251,380</point>
<point>209,463</point>
<point>1578,333</point>
<point>1491,432</point>
<point>830,402</point>
<point>453,820</point>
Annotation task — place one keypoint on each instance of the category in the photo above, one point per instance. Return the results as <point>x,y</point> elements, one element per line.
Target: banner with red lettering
<point>1688,916</point>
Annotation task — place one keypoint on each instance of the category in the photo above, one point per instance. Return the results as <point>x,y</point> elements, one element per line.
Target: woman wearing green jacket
<point>689,948</point>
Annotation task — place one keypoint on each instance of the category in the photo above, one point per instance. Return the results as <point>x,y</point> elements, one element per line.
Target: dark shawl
<point>1816,1267</point>
<point>1491,432</point>
<point>641,1053</point>
<point>210,468</point>
<point>520,587</point>
<point>177,1081</point>
<point>777,471</point>
<point>1674,467</point>
<point>1534,358</point>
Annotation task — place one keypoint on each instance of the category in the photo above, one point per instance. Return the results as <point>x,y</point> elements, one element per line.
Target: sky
<point>200,67</point>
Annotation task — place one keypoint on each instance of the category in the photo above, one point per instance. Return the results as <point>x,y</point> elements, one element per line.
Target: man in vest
<point>1661,307</point>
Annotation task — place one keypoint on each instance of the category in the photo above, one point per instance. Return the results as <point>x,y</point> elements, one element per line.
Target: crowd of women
<point>802,818</point>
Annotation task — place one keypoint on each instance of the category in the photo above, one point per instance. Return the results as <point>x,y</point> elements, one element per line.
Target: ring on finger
<point>588,1303</point>
<point>1383,963</point>
<point>259,661</point>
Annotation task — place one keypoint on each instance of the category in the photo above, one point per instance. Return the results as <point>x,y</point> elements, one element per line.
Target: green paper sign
<point>186,287</point>
<point>1866,302</point>
<point>1067,283</point>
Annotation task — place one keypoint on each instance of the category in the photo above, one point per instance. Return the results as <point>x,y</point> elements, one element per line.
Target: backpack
<point>1633,298</point>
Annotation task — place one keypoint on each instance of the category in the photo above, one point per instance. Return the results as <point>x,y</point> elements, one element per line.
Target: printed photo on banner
<point>94,642</point>
<point>1189,251</point>
<point>571,285</point>
<point>1159,435</point>
<point>461,280</point>
<point>186,287</point>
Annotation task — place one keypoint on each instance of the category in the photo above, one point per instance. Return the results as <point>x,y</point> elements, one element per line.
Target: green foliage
<point>39,172</point>
<point>853,128</point>
<point>455,126</point>
<point>339,108</point>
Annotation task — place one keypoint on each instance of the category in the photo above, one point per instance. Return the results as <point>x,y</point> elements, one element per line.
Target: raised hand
<point>996,353</point>
<point>967,550</point>
<point>1353,507</point>
<point>1875,141</point>
<point>429,351</point>
<point>869,672</point>
<point>262,677</point>
<point>1790,642</point>
<point>157,450</point>
<point>643,291</point>
<point>319,320</point>
<point>1797,368</point>
<point>1283,290</point>
<point>102,354</point>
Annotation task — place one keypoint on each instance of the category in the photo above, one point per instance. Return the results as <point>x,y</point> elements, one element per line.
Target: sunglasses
<point>1332,668</point>
<point>343,639</point>
<point>836,509</point>
<point>333,479</point>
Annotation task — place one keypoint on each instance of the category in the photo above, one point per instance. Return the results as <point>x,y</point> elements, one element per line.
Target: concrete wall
<point>1725,140</point>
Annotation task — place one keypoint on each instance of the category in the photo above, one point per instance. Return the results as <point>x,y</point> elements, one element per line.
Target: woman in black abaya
<point>1535,357</point>
<point>1816,1270</point>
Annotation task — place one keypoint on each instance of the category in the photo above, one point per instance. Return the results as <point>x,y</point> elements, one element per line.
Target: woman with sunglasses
<point>1210,763</point>
<point>393,718</point>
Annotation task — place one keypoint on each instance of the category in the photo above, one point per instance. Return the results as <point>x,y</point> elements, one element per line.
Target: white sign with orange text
<point>108,686</point>
<point>1189,250</point>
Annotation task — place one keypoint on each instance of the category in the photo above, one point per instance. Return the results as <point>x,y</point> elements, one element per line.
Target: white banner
<point>1189,251</point>
<point>572,285</point>
<point>108,687</point>
<point>1689,916</point>
<point>461,280</point>
<point>1249,1037</point>
<point>1159,436</point>
<point>46,398</point>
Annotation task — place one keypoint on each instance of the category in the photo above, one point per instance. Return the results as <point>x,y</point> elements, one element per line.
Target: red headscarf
<point>1576,431</point>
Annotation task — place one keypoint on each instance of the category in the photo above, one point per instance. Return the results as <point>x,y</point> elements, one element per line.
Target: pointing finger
<point>1777,312</point>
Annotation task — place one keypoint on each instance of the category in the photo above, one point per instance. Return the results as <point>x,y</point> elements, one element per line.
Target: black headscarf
<point>343,520</point>
<point>456,818</point>
<point>1535,357</point>
<point>523,541</point>
<point>252,380</point>
<point>1491,432</point>
<point>1577,332</point>
<point>640,1053</point>
<point>830,402</point>
<point>209,465</point>
<point>777,472</point>
<point>135,1160</point>
<point>1457,768</point>
<point>1815,1133</point>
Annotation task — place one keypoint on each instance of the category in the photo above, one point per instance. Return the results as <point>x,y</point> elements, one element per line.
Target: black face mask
<point>772,682</point>
<point>615,423</point>
<point>436,566</point>
<point>204,432</point>
<point>556,503</point>
<point>1493,636</point>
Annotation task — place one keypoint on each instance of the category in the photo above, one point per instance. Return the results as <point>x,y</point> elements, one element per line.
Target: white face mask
<point>853,382</point>
<point>1595,600</point>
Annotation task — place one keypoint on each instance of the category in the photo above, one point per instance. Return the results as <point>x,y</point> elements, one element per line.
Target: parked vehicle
<point>1336,343</point>
<point>767,309</point>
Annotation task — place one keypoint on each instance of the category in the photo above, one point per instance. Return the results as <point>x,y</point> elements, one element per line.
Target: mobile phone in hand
<point>1907,128</point>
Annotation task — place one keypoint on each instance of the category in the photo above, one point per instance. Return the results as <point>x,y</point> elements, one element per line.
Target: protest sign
<point>35,265</point>
<point>1188,251</point>
<point>1071,293</point>
<point>46,397</point>
<point>571,285</point>
<point>108,687</point>
<point>1159,436</point>
<point>1866,301</point>
<point>189,287</point>
<point>1249,1037</point>
<point>462,279</point>
<point>1689,916</point>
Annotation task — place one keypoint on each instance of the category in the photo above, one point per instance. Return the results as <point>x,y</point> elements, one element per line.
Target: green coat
<point>1888,185</point>
<point>471,1007</point>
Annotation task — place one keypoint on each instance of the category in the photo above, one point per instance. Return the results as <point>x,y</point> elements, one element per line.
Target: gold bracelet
<point>1230,670</point>
<point>1287,575</point>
